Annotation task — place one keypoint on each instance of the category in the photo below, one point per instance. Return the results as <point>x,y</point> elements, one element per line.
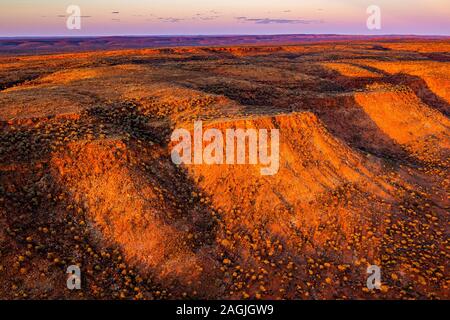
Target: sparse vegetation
<point>86,177</point>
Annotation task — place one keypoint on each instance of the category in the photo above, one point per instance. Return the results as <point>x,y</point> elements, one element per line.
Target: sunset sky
<point>187,17</point>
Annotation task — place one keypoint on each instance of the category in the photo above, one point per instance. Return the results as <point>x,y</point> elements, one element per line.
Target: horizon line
<point>222,35</point>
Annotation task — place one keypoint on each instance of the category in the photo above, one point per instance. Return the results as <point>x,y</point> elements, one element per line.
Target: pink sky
<point>167,17</point>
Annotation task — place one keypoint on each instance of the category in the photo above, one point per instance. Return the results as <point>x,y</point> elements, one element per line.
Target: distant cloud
<point>211,15</point>
<point>206,18</point>
<point>209,18</point>
<point>66,16</point>
<point>277,21</point>
<point>171,20</point>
